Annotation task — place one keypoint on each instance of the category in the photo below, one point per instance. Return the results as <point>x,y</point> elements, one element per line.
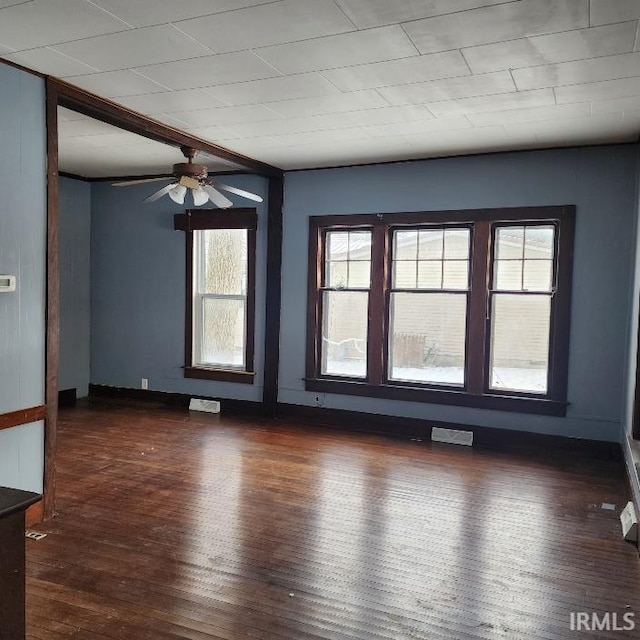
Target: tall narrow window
<point>521,296</point>
<point>469,308</point>
<point>428,305</point>
<point>220,293</point>
<point>345,303</point>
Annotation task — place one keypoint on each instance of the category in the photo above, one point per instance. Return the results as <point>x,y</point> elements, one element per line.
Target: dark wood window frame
<point>206,219</point>
<point>476,392</point>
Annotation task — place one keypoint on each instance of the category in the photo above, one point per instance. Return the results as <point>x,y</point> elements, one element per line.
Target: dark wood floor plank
<point>186,526</point>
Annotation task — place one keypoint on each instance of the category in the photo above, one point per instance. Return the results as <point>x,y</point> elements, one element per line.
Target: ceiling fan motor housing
<point>196,171</point>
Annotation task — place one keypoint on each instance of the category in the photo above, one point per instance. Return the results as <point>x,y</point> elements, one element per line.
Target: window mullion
<point>378,311</point>
<point>478,308</point>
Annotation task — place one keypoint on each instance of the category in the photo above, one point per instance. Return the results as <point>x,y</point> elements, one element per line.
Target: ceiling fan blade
<point>128,183</point>
<point>217,198</point>
<point>200,196</point>
<point>238,192</point>
<point>177,192</point>
<point>158,194</point>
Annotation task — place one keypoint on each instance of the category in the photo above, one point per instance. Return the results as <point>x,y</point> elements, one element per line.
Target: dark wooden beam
<point>53,303</point>
<point>273,296</point>
<point>107,111</point>
<point>23,416</point>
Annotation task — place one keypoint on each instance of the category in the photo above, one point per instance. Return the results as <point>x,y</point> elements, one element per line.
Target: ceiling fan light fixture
<point>178,193</point>
<point>200,197</point>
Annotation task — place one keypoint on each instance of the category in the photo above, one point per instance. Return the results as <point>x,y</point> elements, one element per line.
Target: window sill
<point>221,375</point>
<point>517,404</point>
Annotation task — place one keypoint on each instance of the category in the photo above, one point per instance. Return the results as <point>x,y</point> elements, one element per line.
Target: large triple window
<point>466,308</point>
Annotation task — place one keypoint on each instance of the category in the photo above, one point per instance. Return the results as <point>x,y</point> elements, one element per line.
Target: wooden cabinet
<point>13,504</point>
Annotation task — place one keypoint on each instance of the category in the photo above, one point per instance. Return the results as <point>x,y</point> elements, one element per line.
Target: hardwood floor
<point>177,525</point>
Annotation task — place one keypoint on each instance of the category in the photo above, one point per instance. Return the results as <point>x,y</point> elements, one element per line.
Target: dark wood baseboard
<point>395,426</point>
<point>229,406</point>
<point>23,416</point>
<point>34,514</point>
<point>67,397</point>
<point>483,437</point>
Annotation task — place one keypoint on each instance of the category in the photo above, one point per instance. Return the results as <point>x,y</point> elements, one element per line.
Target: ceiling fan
<point>195,177</point>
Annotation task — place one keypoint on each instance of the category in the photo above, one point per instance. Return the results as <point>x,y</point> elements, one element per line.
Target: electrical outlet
<point>319,400</point>
<point>145,383</point>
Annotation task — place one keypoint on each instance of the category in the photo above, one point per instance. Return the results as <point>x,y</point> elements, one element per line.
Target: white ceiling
<point>306,83</point>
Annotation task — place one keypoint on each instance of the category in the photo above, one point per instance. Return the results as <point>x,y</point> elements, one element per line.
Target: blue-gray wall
<point>138,291</point>
<point>22,253</point>
<point>601,182</point>
<point>74,240</point>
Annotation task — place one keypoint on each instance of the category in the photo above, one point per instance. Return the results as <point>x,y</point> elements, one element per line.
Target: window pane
<point>224,261</point>
<point>431,244</point>
<point>359,275</point>
<point>537,275</point>
<point>520,342</point>
<point>539,243</point>
<point>456,274</point>
<point>344,333</point>
<point>430,274</point>
<point>510,243</point>
<point>427,337</point>
<point>337,245</point>
<point>456,244</point>
<point>223,333</point>
<point>337,274</point>
<point>404,275</point>
<point>508,275</point>
<point>359,245</point>
<point>405,245</point>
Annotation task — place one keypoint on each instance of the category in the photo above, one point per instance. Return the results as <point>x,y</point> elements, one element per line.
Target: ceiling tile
<point>449,88</point>
<point>558,47</point>
<point>209,70</point>
<point>113,84</point>
<point>375,13</point>
<point>578,72</point>
<point>590,128</point>
<point>66,115</point>
<point>348,49</point>
<point>315,137</point>
<point>335,103</point>
<point>134,48</point>
<point>274,89</point>
<point>405,71</point>
<point>416,127</point>
<point>618,105</point>
<point>84,127</point>
<point>328,122</point>
<point>168,101</point>
<point>47,60</point>
<point>11,3</point>
<point>623,88</point>
<point>274,23</point>
<point>607,11</point>
<point>497,23</point>
<point>54,21</point>
<point>533,114</point>
<point>4,49</point>
<point>142,13</point>
<point>226,115</point>
<point>498,102</point>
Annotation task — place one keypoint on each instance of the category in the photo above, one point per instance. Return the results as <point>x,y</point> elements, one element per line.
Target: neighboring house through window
<point>468,307</point>
<point>220,297</point>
